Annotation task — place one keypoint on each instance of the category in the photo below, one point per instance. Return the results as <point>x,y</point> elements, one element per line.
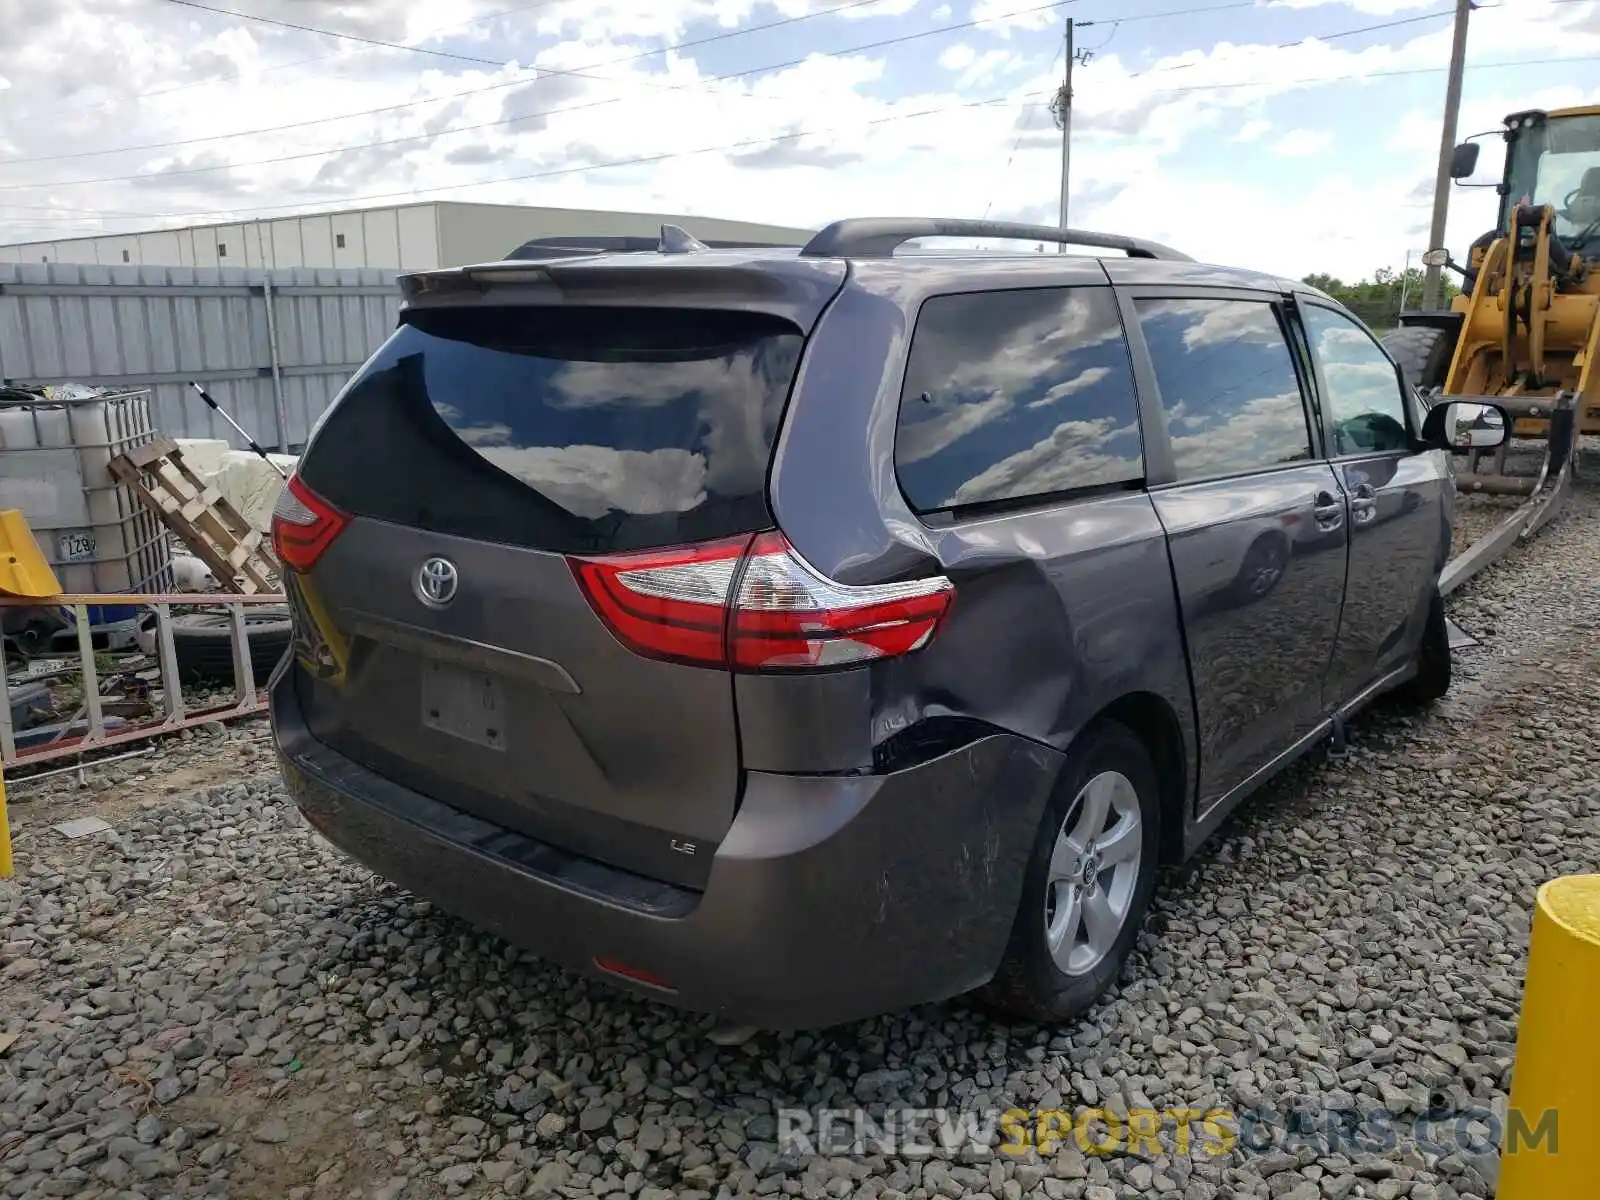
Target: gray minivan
<point>798,634</point>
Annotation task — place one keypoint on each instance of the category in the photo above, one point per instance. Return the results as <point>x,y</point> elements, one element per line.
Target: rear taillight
<point>304,525</point>
<point>680,605</point>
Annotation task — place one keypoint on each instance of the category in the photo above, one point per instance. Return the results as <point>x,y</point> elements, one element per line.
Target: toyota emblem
<point>436,582</point>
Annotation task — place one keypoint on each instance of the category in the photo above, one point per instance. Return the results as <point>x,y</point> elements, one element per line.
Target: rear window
<point>564,429</point>
<point>1014,396</point>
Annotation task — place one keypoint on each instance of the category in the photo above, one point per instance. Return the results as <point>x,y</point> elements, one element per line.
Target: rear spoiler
<point>673,272</point>
<point>521,266</point>
<point>672,240</point>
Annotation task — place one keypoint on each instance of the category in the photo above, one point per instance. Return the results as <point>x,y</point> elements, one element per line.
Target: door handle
<point>1328,511</point>
<point>1364,503</point>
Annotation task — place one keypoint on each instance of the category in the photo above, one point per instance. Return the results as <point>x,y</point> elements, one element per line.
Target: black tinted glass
<point>575,430</point>
<point>1363,395</point>
<point>1228,385</point>
<point>1010,395</point>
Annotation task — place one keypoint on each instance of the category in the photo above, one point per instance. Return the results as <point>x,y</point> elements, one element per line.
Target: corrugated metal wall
<point>400,237</point>
<point>160,327</point>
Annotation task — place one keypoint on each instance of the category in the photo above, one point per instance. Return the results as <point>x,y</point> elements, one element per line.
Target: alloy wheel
<point>1094,873</point>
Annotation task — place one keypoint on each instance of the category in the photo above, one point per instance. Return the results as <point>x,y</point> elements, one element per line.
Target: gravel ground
<point>208,1000</point>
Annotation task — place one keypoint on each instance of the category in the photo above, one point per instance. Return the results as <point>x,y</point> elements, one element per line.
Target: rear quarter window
<point>568,429</point>
<point>1012,396</point>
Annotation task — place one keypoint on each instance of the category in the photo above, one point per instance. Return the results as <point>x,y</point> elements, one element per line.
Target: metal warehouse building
<point>400,237</point>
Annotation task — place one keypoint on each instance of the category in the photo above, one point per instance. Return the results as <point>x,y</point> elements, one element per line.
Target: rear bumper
<point>831,899</point>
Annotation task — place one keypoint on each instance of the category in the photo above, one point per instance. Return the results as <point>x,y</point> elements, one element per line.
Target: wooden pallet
<point>200,515</point>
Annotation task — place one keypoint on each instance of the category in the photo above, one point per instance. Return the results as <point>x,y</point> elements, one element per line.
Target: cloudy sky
<point>1288,135</point>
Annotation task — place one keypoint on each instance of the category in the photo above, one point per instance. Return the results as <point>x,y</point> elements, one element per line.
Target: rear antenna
<point>677,240</point>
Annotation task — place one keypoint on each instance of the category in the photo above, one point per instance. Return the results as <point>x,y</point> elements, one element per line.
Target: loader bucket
<point>23,569</point>
<point>1543,491</point>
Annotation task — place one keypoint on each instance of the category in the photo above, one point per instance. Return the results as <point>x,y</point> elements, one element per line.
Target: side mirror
<point>1460,426</point>
<point>1464,160</point>
<point>1440,257</point>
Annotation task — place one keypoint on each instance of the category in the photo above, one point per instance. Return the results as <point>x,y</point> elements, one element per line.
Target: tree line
<point>1378,300</point>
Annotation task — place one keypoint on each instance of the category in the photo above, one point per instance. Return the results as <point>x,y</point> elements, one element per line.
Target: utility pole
<point>1431,284</point>
<point>1063,110</point>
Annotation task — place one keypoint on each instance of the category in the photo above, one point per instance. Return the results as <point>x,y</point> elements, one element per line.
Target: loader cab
<point>1550,158</point>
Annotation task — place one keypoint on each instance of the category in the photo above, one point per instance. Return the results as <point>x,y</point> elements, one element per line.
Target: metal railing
<point>174,713</point>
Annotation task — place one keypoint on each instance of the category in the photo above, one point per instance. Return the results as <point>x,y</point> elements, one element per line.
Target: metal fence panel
<point>159,327</point>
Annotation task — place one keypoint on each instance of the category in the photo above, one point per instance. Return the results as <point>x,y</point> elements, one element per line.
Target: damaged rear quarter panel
<point>1060,611</point>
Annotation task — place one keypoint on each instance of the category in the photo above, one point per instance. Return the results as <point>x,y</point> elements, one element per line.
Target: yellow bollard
<point>1547,1148</point>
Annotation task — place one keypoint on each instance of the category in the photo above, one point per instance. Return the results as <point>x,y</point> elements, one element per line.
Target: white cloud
<point>1083,379</point>
<point>1303,143</point>
<point>592,480</point>
<point>887,132</point>
<point>957,57</point>
<point>924,439</point>
<point>1224,323</point>
<point>1005,18</point>
<point>1265,429</point>
<point>1075,454</point>
<point>989,68</point>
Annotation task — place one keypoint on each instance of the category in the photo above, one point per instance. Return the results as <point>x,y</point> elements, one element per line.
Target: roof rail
<point>878,237</point>
<point>672,240</point>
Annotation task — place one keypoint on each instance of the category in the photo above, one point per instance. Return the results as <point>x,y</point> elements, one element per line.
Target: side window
<point>1364,398</point>
<point>1015,394</point>
<point>1228,385</point>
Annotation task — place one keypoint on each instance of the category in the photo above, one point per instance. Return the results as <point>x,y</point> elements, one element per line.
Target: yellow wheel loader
<point>1525,331</point>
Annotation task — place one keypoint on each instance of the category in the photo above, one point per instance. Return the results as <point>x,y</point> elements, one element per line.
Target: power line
<point>345,37</point>
<point>302,62</point>
<point>428,137</point>
<point>505,121</point>
<point>89,212</point>
<point>1325,37</point>
<point>580,72</point>
<point>1330,37</point>
<point>1024,120</point>
<point>1173,12</point>
<point>762,142</point>
<point>746,143</point>
<point>1312,81</point>
<point>795,135</point>
<point>574,72</point>
<point>538,72</point>
<point>1183,12</point>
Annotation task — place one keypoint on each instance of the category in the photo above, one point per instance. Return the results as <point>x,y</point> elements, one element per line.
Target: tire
<point>1423,353</point>
<point>202,642</point>
<point>1432,679</point>
<point>1031,983</point>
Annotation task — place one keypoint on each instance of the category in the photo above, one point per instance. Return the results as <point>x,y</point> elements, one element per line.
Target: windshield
<point>1559,165</point>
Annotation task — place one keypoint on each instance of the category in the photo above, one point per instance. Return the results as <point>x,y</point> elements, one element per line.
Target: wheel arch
<point>1154,721</point>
